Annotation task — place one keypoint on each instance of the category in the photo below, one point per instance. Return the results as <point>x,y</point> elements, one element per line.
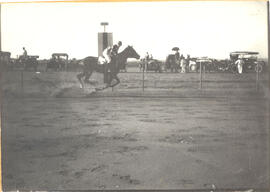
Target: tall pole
<point>104,24</point>
<point>0,97</point>
<point>203,71</point>
<point>0,27</point>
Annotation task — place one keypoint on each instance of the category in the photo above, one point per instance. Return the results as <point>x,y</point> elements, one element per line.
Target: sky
<point>212,28</point>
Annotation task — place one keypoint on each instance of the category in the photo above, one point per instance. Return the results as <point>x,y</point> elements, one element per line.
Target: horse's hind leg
<point>79,77</point>
<point>87,76</point>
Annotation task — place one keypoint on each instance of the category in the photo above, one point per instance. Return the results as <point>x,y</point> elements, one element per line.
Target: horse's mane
<point>126,49</point>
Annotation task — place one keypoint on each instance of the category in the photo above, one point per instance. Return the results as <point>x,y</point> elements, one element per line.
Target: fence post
<point>22,89</point>
<point>200,75</point>
<point>203,71</point>
<point>143,77</point>
<point>257,77</point>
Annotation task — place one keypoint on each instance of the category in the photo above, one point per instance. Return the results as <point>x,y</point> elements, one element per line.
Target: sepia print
<point>169,95</point>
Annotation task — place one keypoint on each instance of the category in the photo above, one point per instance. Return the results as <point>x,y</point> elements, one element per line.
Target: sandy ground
<point>172,136</point>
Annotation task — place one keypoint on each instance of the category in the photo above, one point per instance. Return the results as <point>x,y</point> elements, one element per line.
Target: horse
<point>90,64</point>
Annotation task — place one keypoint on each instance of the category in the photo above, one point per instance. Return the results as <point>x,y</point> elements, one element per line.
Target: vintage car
<point>251,62</point>
<point>25,62</point>
<point>5,60</point>
<point>151,65</point>
<point>205,63</point>
<point>58,62</point>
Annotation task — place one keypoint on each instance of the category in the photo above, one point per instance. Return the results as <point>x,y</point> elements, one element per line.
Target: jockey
<point>116,47</point>
<point>111,51</point>
<point>108,53</point>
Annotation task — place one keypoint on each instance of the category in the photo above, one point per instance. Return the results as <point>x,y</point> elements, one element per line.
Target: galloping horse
<point>90,64</point>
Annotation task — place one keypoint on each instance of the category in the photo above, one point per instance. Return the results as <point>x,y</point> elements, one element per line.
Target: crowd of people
<point>186,62</point>
<point>182,61</point>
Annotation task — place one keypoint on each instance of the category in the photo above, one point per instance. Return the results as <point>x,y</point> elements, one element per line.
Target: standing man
<point>147,57</point>
<point>188,60</point>
<point>177,60</point>
<point>23,57</point>
<point>183,65</point>
<point>239,64</point>
<point>24,52</point>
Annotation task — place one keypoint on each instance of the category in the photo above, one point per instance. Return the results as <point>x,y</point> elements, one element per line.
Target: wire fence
<point>27,84</point>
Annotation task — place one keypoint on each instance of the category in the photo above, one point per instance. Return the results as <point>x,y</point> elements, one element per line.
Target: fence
<point>23,82</point>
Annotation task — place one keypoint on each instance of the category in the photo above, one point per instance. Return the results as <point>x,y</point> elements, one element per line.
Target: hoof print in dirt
<point>125,149</point>
<point>78,174</point>
<point>177,139</point>
<point>127,179</point>
<point>98,168</point>
<point>186,182</point>
<point>63,173</point>
<point>125,137</point>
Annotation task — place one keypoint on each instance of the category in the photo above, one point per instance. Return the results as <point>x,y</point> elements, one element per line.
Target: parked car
<point>25,62</point>
<point>251,62</point>
<point>151,65</point>
<point>5,60</point>
<point>58,62</point>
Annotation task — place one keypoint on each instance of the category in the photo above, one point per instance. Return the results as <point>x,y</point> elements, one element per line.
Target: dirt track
<point>136,143</point>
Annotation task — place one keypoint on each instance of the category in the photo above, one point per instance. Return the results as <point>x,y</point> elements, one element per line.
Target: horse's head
<point>131,53</point>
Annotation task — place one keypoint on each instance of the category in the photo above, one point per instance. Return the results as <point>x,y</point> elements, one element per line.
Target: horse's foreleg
<point>117,81</point>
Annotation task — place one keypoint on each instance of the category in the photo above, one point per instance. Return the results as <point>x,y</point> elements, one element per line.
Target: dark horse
<point>172,63</point>
<point>90,64</point>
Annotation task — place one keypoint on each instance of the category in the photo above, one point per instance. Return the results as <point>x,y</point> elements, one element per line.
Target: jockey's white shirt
<point>106,54</point>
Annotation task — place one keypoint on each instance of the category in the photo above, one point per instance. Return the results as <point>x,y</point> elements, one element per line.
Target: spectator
<point>147,57</point>
<point>24,52</point>
<point>183,64</point>
<point>239,64</point>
